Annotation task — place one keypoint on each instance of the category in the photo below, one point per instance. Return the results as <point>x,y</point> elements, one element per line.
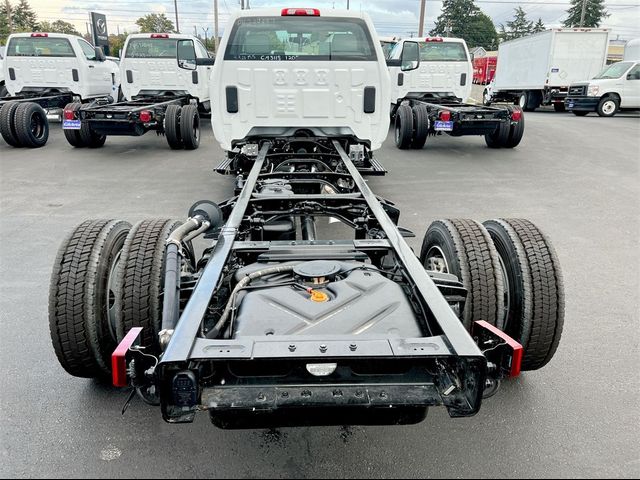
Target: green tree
<point>23,18</point>
<point>595,13</point>
<point>59,26</point>
<point>116,42</point>
<point>463,19</point>
<point>155,23</point>
<point>5,6</point>
<point>539,26</point>
<point>520,26</point>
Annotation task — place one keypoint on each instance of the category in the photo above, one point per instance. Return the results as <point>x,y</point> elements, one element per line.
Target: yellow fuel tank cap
<point>318,296</point>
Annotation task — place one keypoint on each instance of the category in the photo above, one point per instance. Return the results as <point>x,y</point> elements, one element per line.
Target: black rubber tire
<point>190,127</point>
<point>580,113</point>
<point>172,127</point>
<point>3,91</point>
<point>78,297</point>
<point>73,136</point>
<point>420,126</point>
<point>470,255</point>
<point>403,127</point>
<point>89,137</point>
<point>32,126</point>
<point>500,137</point>
<point>603,103</point>
<point>559,107</point>
<point>140,280</point>
<point>516,132</point>
<point>535,315</point>
<point>8,124</point>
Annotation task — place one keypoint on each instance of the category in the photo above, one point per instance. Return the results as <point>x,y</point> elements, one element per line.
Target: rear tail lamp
<point>69,115</point>
<point>516,115</point>
<point>433,39</point>
<point>145,116</point>
<point>159,35</point>
<point>39,34</point>
<point>300,12</point>
<point>445,115</point>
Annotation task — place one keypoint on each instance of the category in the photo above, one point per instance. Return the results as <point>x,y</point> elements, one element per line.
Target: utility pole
<point>247,6</point>
<point>241,4</point>
<point>347,4</point>
<point>206,36</point>
<point>421,26</point>
<point>215,25</point>
<point>175,4</point>
<point>584,11</point>
<point>195,31</point>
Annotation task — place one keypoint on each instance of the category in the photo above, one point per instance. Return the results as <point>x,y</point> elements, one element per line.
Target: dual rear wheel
<point>512,276</point>
<point>107,278</point>
<point>24,124</point>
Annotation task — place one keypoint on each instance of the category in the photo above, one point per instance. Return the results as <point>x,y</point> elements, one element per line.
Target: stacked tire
<point>24,124</point>
<point>107,278</point>
<point>512,276</point>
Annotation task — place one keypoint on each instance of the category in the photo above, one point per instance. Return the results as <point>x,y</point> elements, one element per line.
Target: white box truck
<point>538,69</point>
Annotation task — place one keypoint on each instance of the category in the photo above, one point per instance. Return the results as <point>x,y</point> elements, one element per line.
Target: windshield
<point>615,70</point>
<point>387,47</point>
<point>442,52</point>
<point>151,48</point>
<point>300,38</point>
<point>39,47</point>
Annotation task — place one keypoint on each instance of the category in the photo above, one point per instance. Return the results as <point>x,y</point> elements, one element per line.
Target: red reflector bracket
<point>145,116</point>
<point>300,12</point>
<point>69,115</point>
<point>119,358</point>
<point>159,35</point>
<point>516,358</point>
<point>516,115</point>
<point>445,115</point>
<point>39,34</point>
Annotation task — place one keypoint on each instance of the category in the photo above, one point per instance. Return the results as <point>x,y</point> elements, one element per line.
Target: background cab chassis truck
<point>278,322</point>
<point>538,69</point>
<point>155,95</point>
<point>44,72</point>
<point>430,79</point>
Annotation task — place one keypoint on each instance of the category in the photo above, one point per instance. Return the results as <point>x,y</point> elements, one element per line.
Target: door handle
<point>92,66</point>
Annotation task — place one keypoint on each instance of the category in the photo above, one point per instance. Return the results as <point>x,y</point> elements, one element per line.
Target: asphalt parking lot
<point>576,178</point>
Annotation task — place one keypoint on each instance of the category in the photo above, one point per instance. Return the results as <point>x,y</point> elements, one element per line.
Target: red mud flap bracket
<point>120,355</point>
<point>499,348</point>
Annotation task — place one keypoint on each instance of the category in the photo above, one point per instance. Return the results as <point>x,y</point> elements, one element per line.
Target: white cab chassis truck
<point>278,323</point>
<point>431,79</point>
<point>155,95</point>
<point>538,69</point>
<point>44,72</point>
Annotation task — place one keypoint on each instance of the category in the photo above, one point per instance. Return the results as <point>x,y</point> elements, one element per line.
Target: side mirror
<point>186,54</point>
<point>410,59</point>
<point>100,57</point>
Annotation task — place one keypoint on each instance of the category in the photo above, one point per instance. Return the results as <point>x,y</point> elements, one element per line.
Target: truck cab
<point>616,87</point>
<point>56,62</point>
<point>445,68</point>
<point>148,67</point>
<point>281,71</point>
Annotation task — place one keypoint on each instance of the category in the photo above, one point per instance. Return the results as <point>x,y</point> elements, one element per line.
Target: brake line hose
<point>215,331</point>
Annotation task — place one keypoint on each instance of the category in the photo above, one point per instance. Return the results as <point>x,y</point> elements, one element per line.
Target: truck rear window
<point>442,52</point>
<point>300,38</point>
<point>151,48</point>
<point>40,47</point>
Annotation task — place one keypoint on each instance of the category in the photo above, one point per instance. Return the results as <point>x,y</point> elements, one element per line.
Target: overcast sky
<point>391,17</point>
